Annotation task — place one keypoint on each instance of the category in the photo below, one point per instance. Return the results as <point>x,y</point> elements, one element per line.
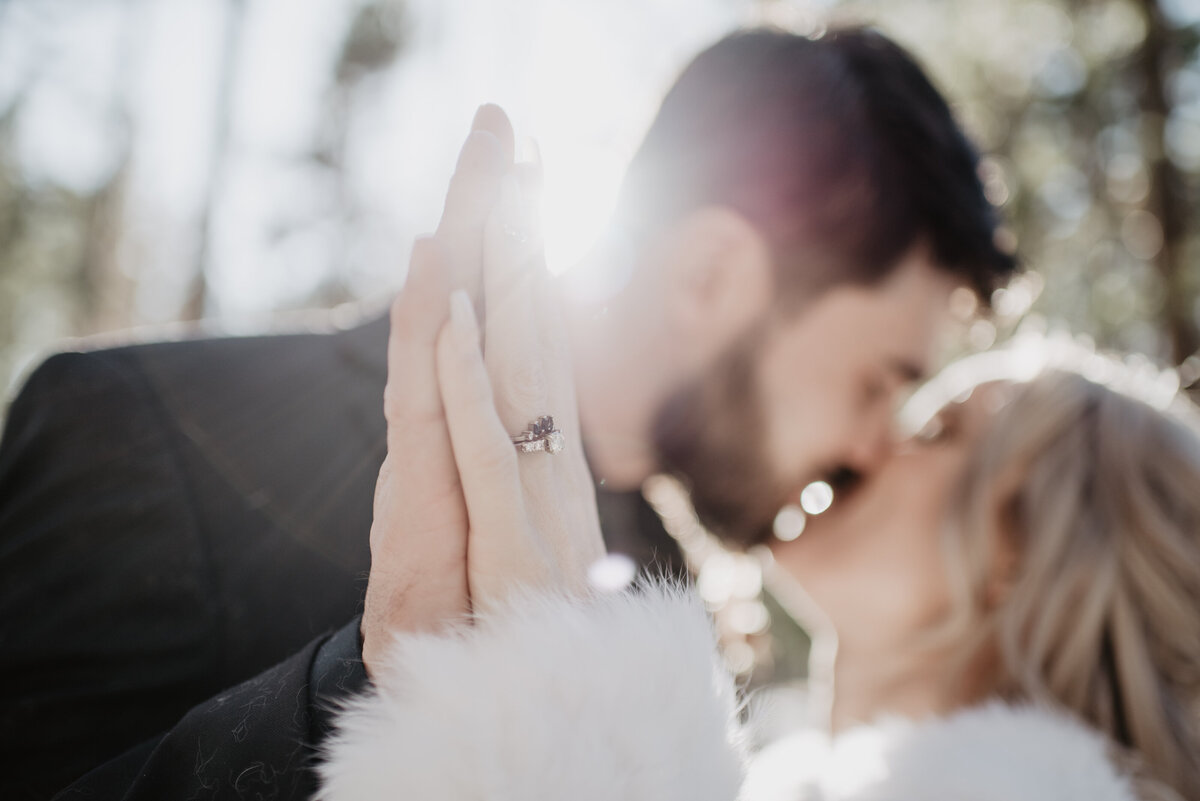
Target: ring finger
<point>514,353</point>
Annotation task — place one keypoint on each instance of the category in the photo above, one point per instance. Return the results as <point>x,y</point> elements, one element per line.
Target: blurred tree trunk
<point>195,306</point>
<point>374,40</point>
<point>106,285</point>
<point>106,289</point>
<point>1168,200</point>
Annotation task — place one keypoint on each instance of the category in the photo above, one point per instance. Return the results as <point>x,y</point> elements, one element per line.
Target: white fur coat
<point>623,697</point>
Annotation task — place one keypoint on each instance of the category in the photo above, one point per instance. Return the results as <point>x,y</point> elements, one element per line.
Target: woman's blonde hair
<point>1077,528</point>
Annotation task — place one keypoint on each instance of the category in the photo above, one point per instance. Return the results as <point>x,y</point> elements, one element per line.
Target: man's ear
<point>719,277</point>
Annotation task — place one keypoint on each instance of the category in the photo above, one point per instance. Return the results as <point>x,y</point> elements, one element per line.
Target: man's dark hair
<point>838,149</point>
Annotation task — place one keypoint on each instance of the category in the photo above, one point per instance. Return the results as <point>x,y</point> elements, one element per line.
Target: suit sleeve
<point>257,740</point>
<point>618,696</point>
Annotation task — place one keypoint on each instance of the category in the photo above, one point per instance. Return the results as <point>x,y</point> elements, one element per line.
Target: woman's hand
<point>532,516</point>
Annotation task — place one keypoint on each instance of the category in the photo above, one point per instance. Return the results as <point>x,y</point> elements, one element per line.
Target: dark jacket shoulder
<point>166,512</point>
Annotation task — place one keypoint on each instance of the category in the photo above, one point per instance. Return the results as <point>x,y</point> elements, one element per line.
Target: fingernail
<point>462,318</point>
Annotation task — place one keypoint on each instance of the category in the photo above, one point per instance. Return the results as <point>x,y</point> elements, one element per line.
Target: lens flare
<point>612,573</point>
<point>816,498</point>
<point>789,522</point>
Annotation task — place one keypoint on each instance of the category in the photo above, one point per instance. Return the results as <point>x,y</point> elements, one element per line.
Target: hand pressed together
<point>461,519</point>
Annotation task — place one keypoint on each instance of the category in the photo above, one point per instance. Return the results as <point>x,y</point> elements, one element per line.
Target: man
<point>175,519</point>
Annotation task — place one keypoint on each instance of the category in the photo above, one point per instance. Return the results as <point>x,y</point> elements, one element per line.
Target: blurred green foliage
<point>1089,111</point>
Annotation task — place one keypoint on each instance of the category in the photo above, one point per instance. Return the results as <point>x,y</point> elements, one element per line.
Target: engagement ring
<point>540,436</point>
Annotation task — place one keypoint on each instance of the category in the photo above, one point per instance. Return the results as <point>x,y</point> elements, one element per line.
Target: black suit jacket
<point>183,553</point>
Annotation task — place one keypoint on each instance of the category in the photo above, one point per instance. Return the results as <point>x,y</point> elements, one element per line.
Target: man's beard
<point>711,434</point>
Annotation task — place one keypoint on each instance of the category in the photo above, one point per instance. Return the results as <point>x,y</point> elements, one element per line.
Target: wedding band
<point>540,436</point>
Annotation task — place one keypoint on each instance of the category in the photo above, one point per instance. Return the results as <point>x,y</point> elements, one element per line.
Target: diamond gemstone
<point>555,441</point>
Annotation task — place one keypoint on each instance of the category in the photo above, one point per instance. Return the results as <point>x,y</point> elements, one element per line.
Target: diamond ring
<point>540,436</point>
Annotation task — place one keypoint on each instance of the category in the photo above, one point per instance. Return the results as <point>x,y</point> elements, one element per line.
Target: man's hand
<point>419,533</point>
<point>487,156</point>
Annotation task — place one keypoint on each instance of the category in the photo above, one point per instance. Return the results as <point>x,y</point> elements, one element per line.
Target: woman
<point>1014,598</point>
<point>1038,542</point>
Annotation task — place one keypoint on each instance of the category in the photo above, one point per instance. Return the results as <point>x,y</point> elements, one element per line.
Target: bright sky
<point>583,78</point>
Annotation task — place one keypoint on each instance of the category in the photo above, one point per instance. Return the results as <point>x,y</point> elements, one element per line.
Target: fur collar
<point>994,752</point>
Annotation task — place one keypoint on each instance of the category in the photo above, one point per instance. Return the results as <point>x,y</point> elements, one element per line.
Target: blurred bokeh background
<point>241,161</point>
<point>233,160</point>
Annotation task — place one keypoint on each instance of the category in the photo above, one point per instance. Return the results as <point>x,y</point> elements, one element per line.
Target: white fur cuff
<point>617,697</point>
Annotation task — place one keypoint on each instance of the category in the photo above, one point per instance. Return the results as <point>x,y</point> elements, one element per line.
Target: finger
<point>418,534</point>
<point>512,261</point>
<point>486,458</point>
<point>488,150</point>
<point>411,399</point>
<point>516,361</point>
<point>530,177</point>
<point>474,188</point>
<point>546,311</point>
<point>475,184</point>
<point>491,118</point>
<point>526,356</point>
<point>557,369</point>
<point>570,526</point>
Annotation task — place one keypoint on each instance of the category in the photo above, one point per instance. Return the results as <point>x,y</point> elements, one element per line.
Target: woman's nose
<point>873,446</point>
